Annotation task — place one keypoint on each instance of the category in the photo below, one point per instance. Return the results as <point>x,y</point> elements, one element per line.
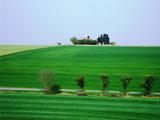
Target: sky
<point>47,22</point>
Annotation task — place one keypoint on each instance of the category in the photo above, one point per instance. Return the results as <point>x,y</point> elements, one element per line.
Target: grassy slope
<point>41,107</point>
<point>9,49</point>
<point>69,62</point>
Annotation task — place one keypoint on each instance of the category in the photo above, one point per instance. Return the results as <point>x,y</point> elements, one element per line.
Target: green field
<point>10,49</point>
<point>62,107</point>
<point>69,62</point>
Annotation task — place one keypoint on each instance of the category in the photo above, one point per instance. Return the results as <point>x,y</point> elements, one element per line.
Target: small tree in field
<point>148,84</point>
<point>106,81</point>
<point>81,82</point>
<point>47,78</point>
<point>125,81</point>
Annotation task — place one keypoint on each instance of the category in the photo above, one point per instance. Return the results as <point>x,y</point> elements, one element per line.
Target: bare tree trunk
<point>103,86</point>
<point>104,89</point>
<point>125,92</point>
<point>82,89</point>
<point>148,92</point>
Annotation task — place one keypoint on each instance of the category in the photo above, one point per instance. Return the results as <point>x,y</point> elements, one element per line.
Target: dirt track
<point>71,90</point>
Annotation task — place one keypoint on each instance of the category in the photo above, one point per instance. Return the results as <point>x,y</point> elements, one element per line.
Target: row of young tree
<point>47,79</point>
<point>147,85</point>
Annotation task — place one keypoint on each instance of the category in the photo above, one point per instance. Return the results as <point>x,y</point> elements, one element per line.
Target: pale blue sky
<point>128,22</point>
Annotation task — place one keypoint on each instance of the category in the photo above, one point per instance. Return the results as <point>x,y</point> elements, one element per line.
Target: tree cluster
<point>103,39</point>
<point>47,79</point>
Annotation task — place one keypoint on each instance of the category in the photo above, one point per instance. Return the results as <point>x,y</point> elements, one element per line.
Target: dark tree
<point>102,42</point>
<point>148,84</point>
<point>125,81</point>
<point>99,39</point>
<point>103,39</point>
<point>106,81</point>
<point>81,82</point>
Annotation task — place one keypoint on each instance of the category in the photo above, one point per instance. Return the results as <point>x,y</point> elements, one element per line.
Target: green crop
<point>69,62</point>
<point>57,107</point>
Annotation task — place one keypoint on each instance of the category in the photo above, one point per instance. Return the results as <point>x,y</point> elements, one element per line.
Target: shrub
<point>55,88</point>
<point>113,43</point>
<point>93,42</point>
<point>83,41</point>
<point>76,42</point>
<point>73,40</point>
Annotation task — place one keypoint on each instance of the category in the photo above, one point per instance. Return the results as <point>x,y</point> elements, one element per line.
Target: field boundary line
<point>20,51</point>
<point>71,90</point>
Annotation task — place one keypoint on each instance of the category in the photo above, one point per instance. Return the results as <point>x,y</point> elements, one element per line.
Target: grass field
<point>70,62</point>
<point>9,49</point>
<point>62,107</point>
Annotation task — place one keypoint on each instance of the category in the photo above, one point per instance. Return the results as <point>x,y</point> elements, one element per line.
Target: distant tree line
<point>101,40</point>
<point>47,79</point>
<point>75,41</point>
